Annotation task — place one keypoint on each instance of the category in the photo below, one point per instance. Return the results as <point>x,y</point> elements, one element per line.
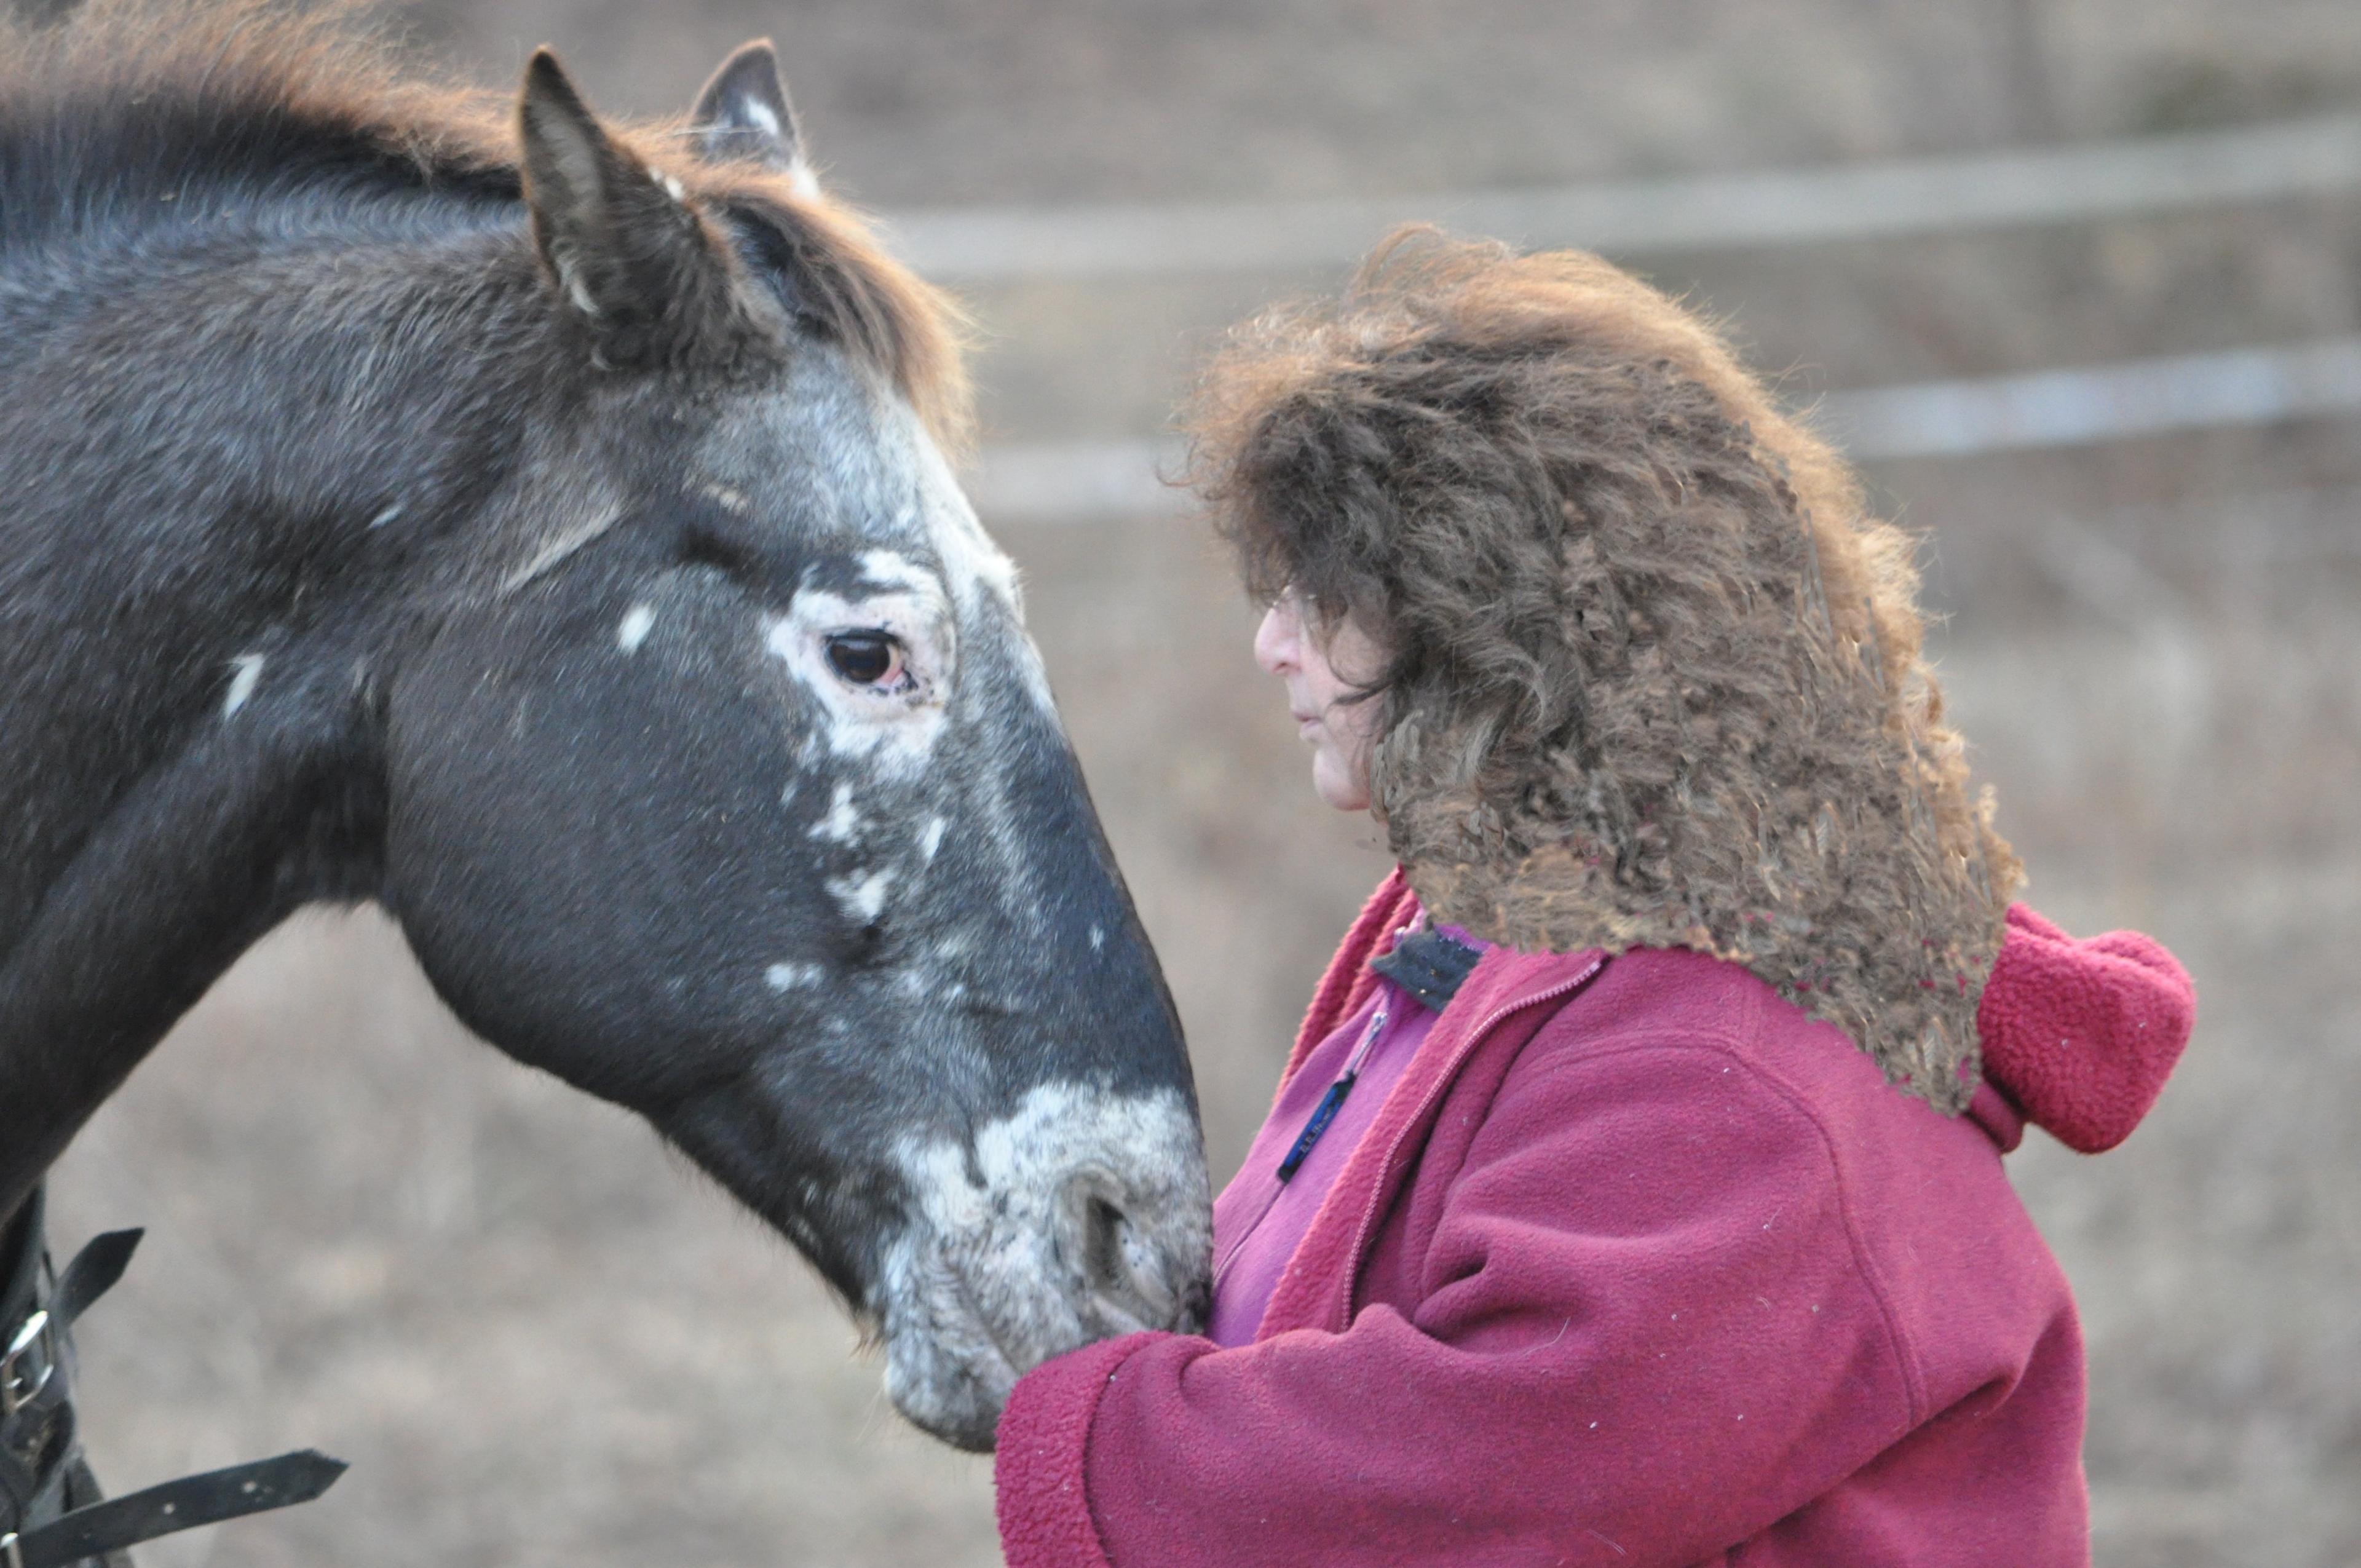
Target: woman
<point>1634,1193</point>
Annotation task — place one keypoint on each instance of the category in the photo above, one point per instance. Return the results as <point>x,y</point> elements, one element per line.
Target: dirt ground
<point>541,1340</point>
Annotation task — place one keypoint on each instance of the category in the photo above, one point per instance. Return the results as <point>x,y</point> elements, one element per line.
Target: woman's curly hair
<point>1655,675</point>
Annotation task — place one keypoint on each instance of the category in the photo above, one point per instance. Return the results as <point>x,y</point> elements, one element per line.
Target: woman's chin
<point>1337,785</point>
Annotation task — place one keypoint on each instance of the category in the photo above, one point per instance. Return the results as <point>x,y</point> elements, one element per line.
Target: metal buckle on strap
<point>16,1388</point>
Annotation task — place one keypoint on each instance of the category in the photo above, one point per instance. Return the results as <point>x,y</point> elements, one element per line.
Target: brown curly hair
<point>1654,674</point>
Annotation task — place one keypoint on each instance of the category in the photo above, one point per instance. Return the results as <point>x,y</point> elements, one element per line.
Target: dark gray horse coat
<point>546,530</point>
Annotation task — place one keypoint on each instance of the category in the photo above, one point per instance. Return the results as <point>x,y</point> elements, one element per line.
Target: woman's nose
<point>1275,639</point>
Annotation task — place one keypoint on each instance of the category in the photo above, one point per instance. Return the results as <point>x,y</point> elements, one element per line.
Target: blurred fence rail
<point>1694,212</point>
<point>1080,481</point>
<point>2085,404</point>
<point>2074,405</point>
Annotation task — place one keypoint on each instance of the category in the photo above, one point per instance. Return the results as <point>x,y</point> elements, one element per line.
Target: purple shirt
<point>1259,1219</point>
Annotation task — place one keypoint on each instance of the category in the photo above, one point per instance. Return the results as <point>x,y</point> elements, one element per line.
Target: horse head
<point>736,796</point>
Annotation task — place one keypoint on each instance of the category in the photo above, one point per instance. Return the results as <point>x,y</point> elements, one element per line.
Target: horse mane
<point>128,104</point>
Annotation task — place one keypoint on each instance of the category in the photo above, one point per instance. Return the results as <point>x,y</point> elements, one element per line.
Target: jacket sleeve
<point>1645,1333</point>
<point>2081,1035</point>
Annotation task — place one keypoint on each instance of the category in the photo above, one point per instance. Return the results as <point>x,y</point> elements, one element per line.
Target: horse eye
<point>866,658</point>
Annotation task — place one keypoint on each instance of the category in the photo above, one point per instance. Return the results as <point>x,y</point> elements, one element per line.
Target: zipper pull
<point>1321,1114</point>
<point>1325,1112</point>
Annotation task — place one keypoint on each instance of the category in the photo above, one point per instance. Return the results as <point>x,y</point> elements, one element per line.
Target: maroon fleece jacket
<point>1638,1265</point>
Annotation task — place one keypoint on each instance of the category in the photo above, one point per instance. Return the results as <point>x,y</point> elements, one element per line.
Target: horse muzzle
<point>1082,1215</point>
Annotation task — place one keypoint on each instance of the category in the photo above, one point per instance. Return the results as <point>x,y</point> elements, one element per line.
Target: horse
<point>545,527</point>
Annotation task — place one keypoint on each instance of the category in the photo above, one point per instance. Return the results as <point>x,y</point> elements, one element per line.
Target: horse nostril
<point>1121,1270</point>
<point>1104,1264</point>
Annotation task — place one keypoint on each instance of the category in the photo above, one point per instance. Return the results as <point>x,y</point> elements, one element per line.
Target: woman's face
<point>1319,672</point>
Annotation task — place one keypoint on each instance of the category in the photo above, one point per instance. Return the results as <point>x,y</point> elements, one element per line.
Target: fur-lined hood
<point>1734,768</point>
<point>1656,674</point>
<point>1741,780</point>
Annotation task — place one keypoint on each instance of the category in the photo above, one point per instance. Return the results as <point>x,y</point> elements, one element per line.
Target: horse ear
<point>621,240</point>
<point>743,113</point>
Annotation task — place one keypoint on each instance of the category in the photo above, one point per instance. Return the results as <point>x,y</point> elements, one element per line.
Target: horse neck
<point>235,478</point>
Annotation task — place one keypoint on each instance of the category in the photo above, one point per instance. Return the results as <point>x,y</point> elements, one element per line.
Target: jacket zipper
<point>1325,1112</point>
<point>1426,1102</point>
<point>1315,1124</point>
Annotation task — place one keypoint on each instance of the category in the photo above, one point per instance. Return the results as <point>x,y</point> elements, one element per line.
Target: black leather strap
<point>51,1513</point>
<point>92,1274</point>
<point>193,1501</point>
<point>37,1431</point>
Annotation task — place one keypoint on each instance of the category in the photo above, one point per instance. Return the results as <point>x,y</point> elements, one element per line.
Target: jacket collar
<point>1502,975</point>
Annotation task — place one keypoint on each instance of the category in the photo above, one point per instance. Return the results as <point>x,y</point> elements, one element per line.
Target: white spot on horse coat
<point>597,514</point>
<point>247,674</point>
<point>862,898</point>
<point>892,569</point>
<point>570,277</point>
<point>727,499</point>
<point>638,621</point>
<point>841,822</point>
<point>792,977</point>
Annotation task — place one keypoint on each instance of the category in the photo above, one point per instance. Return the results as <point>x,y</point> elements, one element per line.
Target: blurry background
<point>541,1339</point>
